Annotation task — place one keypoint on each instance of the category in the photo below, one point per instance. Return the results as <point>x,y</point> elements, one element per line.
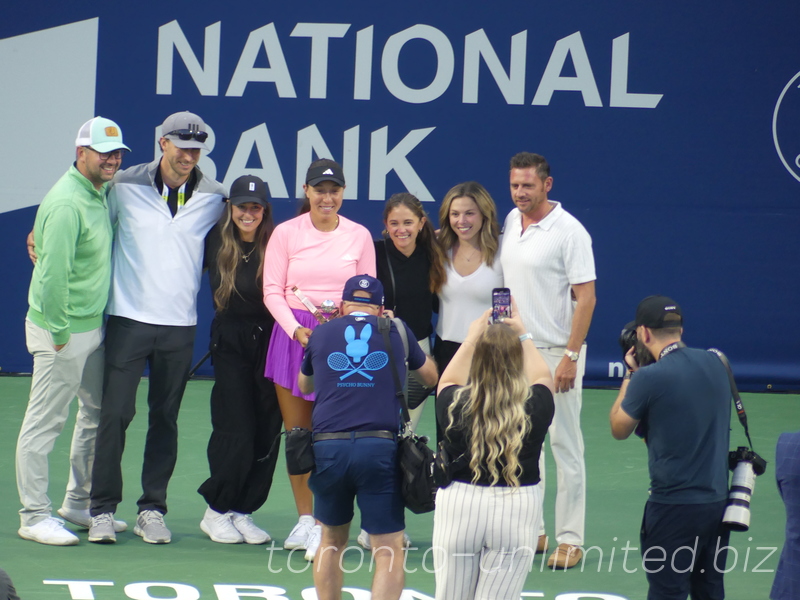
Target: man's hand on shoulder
<point>31,246</point>
<point>565,375</point>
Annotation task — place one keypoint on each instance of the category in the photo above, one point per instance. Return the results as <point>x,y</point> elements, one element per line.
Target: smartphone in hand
<point>501,304</point>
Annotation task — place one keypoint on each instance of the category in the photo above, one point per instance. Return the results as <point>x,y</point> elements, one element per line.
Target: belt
<point>354,435</point>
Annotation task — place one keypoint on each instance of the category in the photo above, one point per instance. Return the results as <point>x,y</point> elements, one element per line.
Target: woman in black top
<point>495,399</point>
<point>244,408</point>
<point>410,265</point>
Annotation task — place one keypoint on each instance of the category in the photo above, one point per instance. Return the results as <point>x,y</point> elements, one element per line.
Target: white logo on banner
<point>41,125</point>
<point>786,124</point>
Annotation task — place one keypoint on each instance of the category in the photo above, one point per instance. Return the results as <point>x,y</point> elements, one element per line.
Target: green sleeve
<point>58,238</point>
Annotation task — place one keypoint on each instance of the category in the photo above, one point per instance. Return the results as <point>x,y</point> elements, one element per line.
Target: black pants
<point>443,353</point>
<point>686,547</point>
<point>245,417</point>
<point>130,345</point>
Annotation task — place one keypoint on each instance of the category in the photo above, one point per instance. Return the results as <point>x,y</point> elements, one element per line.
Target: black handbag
<point>299,451</point>
<point>414,457</point>
<point>442,467</point>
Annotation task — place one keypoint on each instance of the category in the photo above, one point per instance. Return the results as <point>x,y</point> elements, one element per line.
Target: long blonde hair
<point>490,229</point>
<point>230,253</point>
<point>493,404</point>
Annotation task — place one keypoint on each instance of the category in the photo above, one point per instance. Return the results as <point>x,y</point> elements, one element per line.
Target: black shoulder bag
<point>414,457</point>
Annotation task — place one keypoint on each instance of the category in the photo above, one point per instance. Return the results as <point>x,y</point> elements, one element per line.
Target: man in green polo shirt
<point>64,331</point>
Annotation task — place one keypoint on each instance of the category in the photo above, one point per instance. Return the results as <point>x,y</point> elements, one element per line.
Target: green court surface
<point>193,566</point>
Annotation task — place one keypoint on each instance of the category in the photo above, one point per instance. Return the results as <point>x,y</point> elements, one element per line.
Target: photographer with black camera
<point>679,400</point>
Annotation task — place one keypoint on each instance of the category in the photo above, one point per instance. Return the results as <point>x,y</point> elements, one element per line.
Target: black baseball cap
<point>330,172</point>
<point>249,188</point>
<point>658,312</point>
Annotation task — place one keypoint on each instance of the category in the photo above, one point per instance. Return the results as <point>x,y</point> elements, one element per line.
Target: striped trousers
<point>484,540</point>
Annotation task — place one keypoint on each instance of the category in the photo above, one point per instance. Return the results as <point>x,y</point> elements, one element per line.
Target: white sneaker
<point>82,518</point>
<point>314,539</point>
<point>299,535</point>
<point>251,532</point>
<point>50,531</point>
<point>219,527</point>
<point>363,540</point>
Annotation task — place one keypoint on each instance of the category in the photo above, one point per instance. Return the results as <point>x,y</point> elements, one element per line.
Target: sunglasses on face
<point>187,134</point>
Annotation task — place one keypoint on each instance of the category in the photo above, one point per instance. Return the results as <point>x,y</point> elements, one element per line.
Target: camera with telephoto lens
<point>746,465</point>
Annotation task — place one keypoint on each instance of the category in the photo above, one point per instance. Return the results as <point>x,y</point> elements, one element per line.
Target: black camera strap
<point>737,400</point>
<point>388,240</point>
<point>385,326</point>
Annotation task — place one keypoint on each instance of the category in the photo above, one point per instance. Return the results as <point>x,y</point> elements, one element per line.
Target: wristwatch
<point>573,356</point>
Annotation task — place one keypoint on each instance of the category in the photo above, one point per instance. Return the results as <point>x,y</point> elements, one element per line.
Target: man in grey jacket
<point>161,213</point>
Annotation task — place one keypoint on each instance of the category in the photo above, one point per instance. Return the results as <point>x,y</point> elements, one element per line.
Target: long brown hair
<point>490,229</point>
<point>493,403</point>
<point>230,253</point>
<point>426,237</point>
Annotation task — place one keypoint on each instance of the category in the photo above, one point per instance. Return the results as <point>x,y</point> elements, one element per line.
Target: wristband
<point>525,336</point>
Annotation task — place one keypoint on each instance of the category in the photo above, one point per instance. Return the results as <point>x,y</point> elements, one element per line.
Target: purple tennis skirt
<point>285,355</point>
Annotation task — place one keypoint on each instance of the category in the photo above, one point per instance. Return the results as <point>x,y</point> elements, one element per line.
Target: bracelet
<point>628,375</point>
<point>525,336</point>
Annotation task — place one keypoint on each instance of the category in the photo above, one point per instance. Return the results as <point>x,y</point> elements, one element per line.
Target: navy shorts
<point>364,470</point>
<point>689,549</point>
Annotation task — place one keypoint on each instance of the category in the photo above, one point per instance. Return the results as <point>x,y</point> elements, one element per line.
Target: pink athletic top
<point>318,262</point>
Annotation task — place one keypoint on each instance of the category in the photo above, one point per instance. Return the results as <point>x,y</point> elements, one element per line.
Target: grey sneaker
<point>150,527</point>
<point>82,518</point>
<point>101,529</point>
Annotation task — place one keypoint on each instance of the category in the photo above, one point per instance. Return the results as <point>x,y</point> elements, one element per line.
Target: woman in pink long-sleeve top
<point>316,253</point>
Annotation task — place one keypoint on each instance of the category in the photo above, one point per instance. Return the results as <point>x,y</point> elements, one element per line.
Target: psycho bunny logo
<point>356,349</point>
<point>786,126</point>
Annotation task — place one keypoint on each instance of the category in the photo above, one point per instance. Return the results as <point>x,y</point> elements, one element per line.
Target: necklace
<point>471,256</point>
<point>246,257</point>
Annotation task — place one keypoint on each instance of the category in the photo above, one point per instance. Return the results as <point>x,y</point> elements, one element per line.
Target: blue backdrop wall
<point>672,129</point>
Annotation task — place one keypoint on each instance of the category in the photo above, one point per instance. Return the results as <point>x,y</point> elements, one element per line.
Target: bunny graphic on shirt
<point>357,347</point>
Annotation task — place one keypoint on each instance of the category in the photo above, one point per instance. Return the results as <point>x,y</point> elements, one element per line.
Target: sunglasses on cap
<point>186,135</point>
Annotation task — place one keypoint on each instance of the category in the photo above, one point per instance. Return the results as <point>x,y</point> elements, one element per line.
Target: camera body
<point>627,337</point>
<point>744,454</point>
<point>628,340</point>
<point>746,465</point>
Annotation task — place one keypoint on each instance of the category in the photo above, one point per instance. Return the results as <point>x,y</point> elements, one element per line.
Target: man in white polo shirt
<point>549,266</point>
